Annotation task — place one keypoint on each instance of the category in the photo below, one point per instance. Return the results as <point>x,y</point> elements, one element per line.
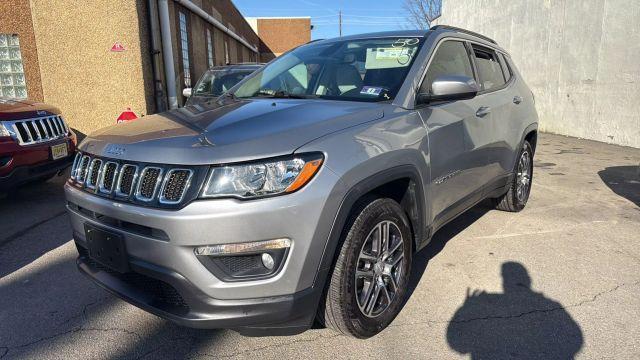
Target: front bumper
<point>169,295</point>
<point>160,246</point>
<point>20,164</point>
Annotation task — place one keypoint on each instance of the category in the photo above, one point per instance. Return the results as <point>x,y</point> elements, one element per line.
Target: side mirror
<point>450,87</point>
<point>186,92</point>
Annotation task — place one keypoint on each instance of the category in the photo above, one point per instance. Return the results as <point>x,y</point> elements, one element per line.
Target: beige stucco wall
<point>581,59</point>
<point>15,18</point>
<point>80,75</point>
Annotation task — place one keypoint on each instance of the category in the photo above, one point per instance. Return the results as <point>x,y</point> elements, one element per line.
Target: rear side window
<point>450,59</point>
<point>506,70</point>
<point>489,69</point>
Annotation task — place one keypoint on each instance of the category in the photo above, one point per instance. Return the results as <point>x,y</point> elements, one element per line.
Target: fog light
<point>239,248</point>
<point>267,261</point>
<point>245,261</point>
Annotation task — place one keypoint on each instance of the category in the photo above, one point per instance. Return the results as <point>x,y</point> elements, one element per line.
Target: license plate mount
<point>107,248</point>
<point>59,151</point>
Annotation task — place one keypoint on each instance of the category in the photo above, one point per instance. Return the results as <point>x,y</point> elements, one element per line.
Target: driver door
<point>456,170</point>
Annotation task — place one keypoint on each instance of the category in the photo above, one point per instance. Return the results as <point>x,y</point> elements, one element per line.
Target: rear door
<point>496,101</point>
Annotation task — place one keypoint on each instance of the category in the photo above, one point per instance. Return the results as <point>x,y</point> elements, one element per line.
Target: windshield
<point>355,70</point>
<point>216,82</point>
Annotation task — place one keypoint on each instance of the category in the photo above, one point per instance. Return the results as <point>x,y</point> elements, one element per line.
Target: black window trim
<point>469,44</point>
<point>465,42</point>
<point>507,83</point>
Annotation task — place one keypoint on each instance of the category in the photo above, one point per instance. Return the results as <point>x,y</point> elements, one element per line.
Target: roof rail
<point>464,31</point>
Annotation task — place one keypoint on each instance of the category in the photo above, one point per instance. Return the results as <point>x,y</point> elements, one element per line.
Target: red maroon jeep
<point>35,143</point>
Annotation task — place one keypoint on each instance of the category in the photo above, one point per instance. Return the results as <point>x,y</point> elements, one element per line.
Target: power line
<point>374,16</point>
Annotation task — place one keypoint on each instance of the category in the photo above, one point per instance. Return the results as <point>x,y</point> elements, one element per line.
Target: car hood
<point>18,109</point>
<point>228,130</point>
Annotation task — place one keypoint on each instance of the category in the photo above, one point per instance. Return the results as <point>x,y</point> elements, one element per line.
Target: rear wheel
<point>368,284</point>
<point>518,194</point>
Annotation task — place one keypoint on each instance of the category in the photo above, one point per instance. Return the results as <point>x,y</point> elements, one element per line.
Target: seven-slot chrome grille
<point>148,184</point>
<point>38,130</point>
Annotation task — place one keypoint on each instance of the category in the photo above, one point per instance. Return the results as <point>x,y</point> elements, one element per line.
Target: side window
<point>450,59</point>
<point>505,68</point>
<point>489,69</point>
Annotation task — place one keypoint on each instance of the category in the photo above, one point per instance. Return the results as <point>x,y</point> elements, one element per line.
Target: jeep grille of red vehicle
<point>38,130</point>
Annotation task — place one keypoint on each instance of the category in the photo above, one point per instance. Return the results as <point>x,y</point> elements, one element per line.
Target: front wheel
<point>518,194</point>
<point>369,281</point>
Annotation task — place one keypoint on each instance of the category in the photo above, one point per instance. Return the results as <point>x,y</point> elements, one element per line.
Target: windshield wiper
<point>282,95</point>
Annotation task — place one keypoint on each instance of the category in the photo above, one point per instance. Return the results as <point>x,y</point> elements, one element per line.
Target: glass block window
<point>184,44</point>
<point>12,80</point>
<point>209,48</point>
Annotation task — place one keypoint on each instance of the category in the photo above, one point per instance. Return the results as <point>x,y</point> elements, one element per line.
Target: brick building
<point>280,34</point>
<point>94,59</point>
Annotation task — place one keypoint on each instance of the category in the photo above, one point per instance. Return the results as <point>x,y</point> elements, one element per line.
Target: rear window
<point>489,69</point>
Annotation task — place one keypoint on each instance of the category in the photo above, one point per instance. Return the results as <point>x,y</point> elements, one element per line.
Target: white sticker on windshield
<point>388,53</point>
<point>388,57</point>
<point>371,90</point>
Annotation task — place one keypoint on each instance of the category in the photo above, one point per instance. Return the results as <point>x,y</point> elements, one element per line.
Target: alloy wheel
<point>523,179</point>
<point>379,269</point>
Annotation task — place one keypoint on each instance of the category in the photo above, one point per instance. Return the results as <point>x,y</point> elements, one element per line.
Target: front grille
<point>108,177</point>
<point>176,182</point>
<point>126,180</point>
<point>38,130</point>
<point>145,184</point>
<point>82,169</point>
<point>149,182</point>
<point>94,173</point>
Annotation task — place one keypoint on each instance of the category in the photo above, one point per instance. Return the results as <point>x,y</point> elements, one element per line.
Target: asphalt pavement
<point>558,280</point>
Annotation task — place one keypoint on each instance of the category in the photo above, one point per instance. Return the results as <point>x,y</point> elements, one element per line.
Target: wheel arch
<point>401,183</point>
<point>530,134</point>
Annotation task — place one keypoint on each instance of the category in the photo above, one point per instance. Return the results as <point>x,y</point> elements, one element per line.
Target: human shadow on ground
<point>624,181</point>
<point>518,323</point>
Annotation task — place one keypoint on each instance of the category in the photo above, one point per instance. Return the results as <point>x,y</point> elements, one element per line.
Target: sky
<point>358,16</point>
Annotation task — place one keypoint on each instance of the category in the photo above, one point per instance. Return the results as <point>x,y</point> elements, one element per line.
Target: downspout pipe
<point>167,53</point>
<point>158,91</point>
<point>213,21</point>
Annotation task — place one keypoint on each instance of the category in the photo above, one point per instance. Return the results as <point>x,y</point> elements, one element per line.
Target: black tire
<point>512,201</point>
<point>340,308</point>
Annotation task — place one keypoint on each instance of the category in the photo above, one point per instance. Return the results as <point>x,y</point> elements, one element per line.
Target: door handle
<point>517,99</point>
<point>483,111</point>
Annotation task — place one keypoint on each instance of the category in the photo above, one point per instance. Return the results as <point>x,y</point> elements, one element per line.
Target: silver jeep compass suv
<point>303,191</point>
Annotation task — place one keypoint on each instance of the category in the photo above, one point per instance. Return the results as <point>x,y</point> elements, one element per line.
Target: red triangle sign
<point>118,47</point>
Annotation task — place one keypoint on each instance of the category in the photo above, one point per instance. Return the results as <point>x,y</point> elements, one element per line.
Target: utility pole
<point>340,22</point>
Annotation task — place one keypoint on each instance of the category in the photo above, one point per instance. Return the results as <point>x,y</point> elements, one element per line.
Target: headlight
<point>4,131</point>
<point>269,177</point>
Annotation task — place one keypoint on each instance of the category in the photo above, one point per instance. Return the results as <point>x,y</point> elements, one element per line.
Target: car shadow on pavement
<point>518,323</point>
<point>439,240</point>
<point>40,306</point>
<point>624,181</point>
<point>33,222</point>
